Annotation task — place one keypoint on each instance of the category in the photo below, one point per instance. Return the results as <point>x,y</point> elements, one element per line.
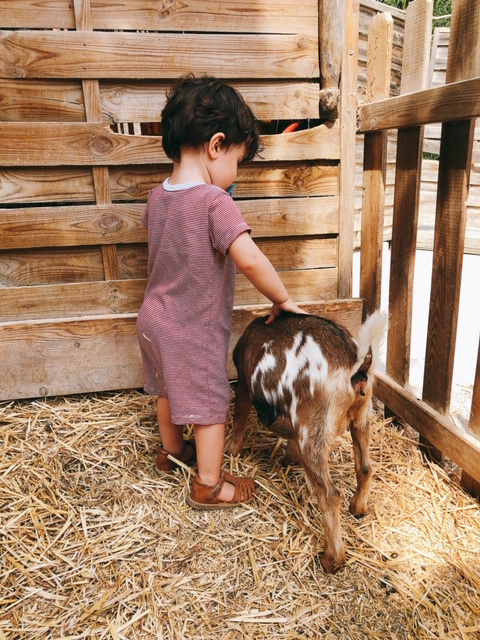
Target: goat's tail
<point>371,337</point>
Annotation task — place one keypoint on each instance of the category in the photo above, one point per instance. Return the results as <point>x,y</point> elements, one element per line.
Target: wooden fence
<point>82,85</point>
<point>455,105</point>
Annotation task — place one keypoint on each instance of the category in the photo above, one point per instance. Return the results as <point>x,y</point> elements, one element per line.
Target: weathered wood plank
<point>69,226</point>
<point>131,183</point>
<point>84,264</point>
<point>456,101</point>
<point>95,144</point>
<point>70,356</point>
<point>308,284</point>
<point>288,180</point>
<point>144,102</point>
<point>71,300</point>
<point>453,180</point>
<point>67,356</point>
<point>41,101</point>
<point>310,272</point>
<point>291,216</point>
<point>462,448</point>
<point>464,45</point>
<point>418,24</point>
<point>278,16</point>
<point>300,253</point>
<point>90,55</point>
<point>53,265</point>
<point>380,38</point>
<point>348,106</point>
<point>35,185</point>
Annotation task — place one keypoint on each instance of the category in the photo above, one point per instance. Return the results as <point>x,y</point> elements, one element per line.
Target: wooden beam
<point>234,15</point>
<point>81,225</point>
<point>93,113</point>
<point>98,353</point>
<point>408,168</point>
<point>380,42</point>
<point>462,448</point>
<point>331,17</point>
<point>128,55</point>
<point>456,101</point>
<point>348,105</point>
<point>94,143</point>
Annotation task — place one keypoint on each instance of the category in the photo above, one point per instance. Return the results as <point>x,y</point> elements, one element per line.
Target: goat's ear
<point>367,362</point>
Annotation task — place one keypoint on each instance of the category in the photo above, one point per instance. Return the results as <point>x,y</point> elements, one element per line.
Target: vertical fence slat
<point>418,23</point>
<point>348,104</point>
<point>380,45</point>
<point>93,113</point>
<point>450,218</point>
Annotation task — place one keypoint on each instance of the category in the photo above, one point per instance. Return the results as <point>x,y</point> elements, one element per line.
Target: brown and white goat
<point>309,380</point>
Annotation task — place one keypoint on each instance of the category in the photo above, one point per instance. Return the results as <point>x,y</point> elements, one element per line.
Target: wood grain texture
<point>175,15</point>
<point>457,101</point>
<point>98,353</point>
<point>462,448</point>
<point>126,55</point>
<point>95,144</point>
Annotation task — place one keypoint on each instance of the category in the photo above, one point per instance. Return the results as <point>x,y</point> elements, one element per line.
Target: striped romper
<point>185,320</point>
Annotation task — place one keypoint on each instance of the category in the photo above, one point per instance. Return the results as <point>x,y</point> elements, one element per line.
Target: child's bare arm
<point>255,266</point>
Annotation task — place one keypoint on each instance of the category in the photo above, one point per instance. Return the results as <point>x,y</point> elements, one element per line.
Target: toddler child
<point>197,238</point>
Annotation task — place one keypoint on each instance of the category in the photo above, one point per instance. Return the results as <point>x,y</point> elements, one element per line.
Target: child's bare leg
<point>171,434</point>
<point>210,442</point>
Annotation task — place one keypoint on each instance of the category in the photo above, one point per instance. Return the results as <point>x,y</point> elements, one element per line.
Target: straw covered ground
<point>94,544</point>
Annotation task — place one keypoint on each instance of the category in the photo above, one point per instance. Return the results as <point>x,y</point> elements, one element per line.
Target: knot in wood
<point>167,8</point>
<point>109,223</point>
<point>100,144</point>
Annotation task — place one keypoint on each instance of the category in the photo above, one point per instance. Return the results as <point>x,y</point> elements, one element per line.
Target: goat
<point>309,380</point>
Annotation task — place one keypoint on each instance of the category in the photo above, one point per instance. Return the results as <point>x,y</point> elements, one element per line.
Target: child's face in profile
<point>223,170</point>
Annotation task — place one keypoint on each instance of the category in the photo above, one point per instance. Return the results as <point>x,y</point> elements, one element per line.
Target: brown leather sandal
<point>205,498</point>
<point>166,461</point>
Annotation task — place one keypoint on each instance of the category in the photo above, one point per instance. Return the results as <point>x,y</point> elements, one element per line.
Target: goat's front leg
<point>243,404</point>
<point>333,556</point>
<point>360,431</point>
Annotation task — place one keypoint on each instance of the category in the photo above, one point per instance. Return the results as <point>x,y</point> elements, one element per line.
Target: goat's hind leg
<point>243,404</point>
<point>333,556</point>
<point>360,432</point>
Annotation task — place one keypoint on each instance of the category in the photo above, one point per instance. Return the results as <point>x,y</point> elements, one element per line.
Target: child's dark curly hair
<point>198,108</point>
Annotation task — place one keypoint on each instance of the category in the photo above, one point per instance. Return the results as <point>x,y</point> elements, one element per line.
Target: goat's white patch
<point>303,358</point>
<point>302,437</point>
<point>266,364</point>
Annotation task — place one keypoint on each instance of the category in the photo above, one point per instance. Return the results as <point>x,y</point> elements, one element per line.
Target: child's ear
<point>215,144</point>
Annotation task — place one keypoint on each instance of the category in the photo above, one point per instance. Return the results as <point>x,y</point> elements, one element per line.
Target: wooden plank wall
<point>82,85</point>
<point>457,106</point>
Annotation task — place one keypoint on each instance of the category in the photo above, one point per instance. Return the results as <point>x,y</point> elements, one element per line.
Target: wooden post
<point>380,42</point>
<point>331,16</point>
<point>348,112</point>
<point>93,113</point>
<point>450,219</point>
<point>415,63</point>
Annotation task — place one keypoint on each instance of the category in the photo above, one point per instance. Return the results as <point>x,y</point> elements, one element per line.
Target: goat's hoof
<point>290,461</point>
<point>331,564</point>
<point>358,510</point>
<point>235,449</point>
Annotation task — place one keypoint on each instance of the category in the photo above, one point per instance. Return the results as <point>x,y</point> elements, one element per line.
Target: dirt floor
<point>94,544</point>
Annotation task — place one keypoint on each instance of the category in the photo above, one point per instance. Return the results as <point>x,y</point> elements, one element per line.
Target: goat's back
<point>297,363</point>
<point>295,335</point>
